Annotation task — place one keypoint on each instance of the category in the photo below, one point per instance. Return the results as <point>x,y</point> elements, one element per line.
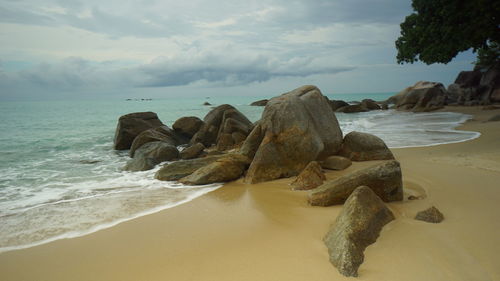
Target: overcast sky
<point>59,49</point>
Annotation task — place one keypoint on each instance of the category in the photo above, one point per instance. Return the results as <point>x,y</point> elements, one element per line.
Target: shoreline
<point>234,227</point>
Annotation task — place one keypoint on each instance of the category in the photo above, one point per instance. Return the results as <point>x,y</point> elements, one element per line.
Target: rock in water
<point>355,108</point>
<point>363,147</point>
<point>311,177</point>
<point>384,179</point>
<point>336,104</point>
<point>370,104</point>
<point>193,151</point>
<point>259,102</point>
<point>296,128</point>
<point>432,215</point>
<point>162,133</point>
<point>131,125</point>
<point>228,168</point>
<point>150,155</point>
<point>336,163</point>
<point>357,226</point>
<point>179,169</point>
<point>187,126</point>
<point>421,97</point>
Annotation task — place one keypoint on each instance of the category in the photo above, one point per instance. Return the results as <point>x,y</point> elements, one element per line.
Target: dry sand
<point>268,232</point>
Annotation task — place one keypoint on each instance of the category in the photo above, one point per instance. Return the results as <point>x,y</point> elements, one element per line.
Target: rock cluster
<point>477,87</point>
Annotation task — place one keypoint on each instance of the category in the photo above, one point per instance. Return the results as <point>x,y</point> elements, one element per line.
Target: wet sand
<point>268,232</point>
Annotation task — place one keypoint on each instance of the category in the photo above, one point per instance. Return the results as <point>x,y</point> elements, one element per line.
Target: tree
<point>440,29</point>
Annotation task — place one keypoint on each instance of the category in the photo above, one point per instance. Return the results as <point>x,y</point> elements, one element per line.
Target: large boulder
<point>336,104</point>
<point>357,226</point>
<point>187,126</point>
<point>311,177</point>
<point>370,104</point>
<point>151,154</point>
<point>162,133</point>
<point>359,146</point>
<point>179,169</point>
<point>296,128</point>
<point>468,79</point>
<point>421,97</point>
<point>490,82</point>
<point>384,179</point>
<point>131,125</point>
<point>193,151</point>
<point>260,102</point>
<point>227,168</point>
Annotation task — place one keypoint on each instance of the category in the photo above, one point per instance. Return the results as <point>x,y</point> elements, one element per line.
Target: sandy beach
<point>268,232</point>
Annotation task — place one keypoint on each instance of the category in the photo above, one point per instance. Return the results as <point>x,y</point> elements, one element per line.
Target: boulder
<point>336,163</point>
<point>370,104</point>
<point>336,104</point>
<point>260,102</point>
<point>193,151</point>
<point>179,169</point>
<point>311,177</point>
<point>187,126</point>
<point>468,79</point>
<point>432,215</point>
<point>423,96</point>
<point>151,154</point>
<point>490,82</point>
<point>131,125</point>
<point>228,168</point>
<point>384,179</point>
<point>252,142</point>
<point>495,96</point>
<point>207,103</point>
<point>356,227</point>
<point>359,146</point>
<point>296,128</point>
<point>162,133</point>
<point>355,108</point>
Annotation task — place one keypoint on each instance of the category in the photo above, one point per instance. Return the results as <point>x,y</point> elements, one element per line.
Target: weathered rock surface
<point>359,146</point>
<point>432,215</point>
<point>336,104</point>
<point>179,169</point>
<point>311,177</point>
<point>384,179</point>
<point>336,163</point>
<point>478,87</point>
<point>187,126</point>
<point>357,226</point>
<point>151,154</point>
<point>131,125</point>
<point>296,128</point>
<point>260,102</point>
<point>193,151</point>
<point>162,133</point>
<point>421,97</point>
<point>355,108</point>
<point>370,104</point>
<point>227,168</point>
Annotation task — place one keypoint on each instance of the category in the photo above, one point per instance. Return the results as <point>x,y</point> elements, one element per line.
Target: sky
<point>71,49</point>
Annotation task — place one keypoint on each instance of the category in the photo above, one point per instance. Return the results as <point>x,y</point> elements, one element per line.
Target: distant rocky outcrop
<point>384,179</point>
<point>421,97</point>
<point>296,128</point>
<point>131,125</point>
<point>477,87</point>
<point>187,126</point>
<point>151,154</point>
<point>432,215</point>
<point>260,102</point>
<point>336,163</point>
<point>358,225</point>
<point>359,146</point>
<point>311,177</point>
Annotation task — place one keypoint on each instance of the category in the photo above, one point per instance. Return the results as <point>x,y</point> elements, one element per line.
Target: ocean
<point>61,178</point>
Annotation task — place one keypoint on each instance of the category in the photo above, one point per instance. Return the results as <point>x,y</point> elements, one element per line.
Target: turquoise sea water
<point>60,177</point>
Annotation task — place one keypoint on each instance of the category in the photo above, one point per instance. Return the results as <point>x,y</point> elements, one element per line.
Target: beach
<point>266,231</point>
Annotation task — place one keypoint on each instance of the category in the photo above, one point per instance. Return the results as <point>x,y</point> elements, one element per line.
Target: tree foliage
<point>440,29</point>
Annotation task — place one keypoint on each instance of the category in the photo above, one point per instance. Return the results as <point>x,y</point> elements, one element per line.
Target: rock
<point>179,169</point>
<point>252,142</point>
<point>494,118</point>
<point>495,96</point>
<point>385,106</point>
<point>432,215</point>
<point>162,133</point>
<point>384,179</point>
<point>296,128</point>
<point>336,104</point>
<point>260,102</point>
<point>225,142</point>
<point>357,226</point>
<point>228,168</point>
<point>311,177</point>
<point>336,163</point>
<point>413,197</point>
<point>187,126</point>
<point>468,79</point>
<point>207,103</point>
<point>355,108</point>
<point>423,96</point>
<point>370,104</point>
<point>131,125</point>
<point>359,146</point>
<point>193,151</point>
<point>151,154</point>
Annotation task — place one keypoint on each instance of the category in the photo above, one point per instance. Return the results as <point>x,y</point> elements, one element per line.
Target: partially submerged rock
<point>432,215</point>
<point>370,104</point>
<point>260,102</point>
<point>357,226</point>
<point>336,104</point>
<point>359,146</point>
<point>162,133</point>
<point>311,177</point>
<point>193,151</point>
<point>131,125</point>
<point>355,108</point>
<point>384,179</point>
<point>227,168</point>
<point>151,154</point>
<point>336,163</point>
<point>179,169</point>
<point>296,128</point>
<point>187,126</point>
